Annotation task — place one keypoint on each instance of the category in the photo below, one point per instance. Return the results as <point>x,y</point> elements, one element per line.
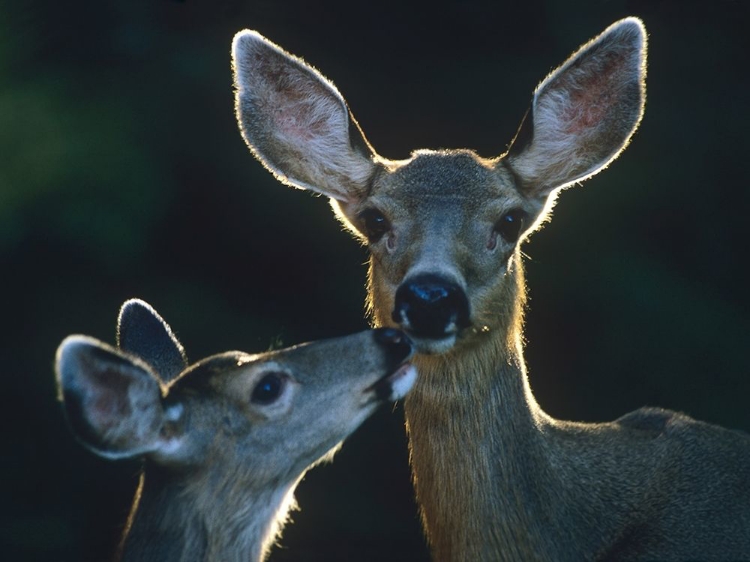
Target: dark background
<point>122,174</point>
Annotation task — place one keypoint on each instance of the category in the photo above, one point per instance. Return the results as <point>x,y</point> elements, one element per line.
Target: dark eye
<point>268,389</point>
<point>512,224</point>
<point>376,225</point>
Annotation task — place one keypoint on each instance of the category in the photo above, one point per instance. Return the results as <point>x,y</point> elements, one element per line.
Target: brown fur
<point>497,478</point>
<point>221,456</point>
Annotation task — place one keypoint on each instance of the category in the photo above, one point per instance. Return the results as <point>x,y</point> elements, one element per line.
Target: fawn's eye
<point>268,389</point>
<point>511,224</point>
<point>376,225</point>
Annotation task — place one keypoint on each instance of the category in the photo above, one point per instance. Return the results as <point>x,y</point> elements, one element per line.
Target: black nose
<point>431,307</point>
<point>397,344</point>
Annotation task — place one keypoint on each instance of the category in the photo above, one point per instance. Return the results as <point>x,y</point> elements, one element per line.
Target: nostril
<point>430,293</point>
<point>395,341</point>
<point>431,306</point>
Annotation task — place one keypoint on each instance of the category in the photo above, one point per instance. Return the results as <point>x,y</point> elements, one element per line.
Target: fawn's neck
<point>476,442</point>
<point>179,521</point>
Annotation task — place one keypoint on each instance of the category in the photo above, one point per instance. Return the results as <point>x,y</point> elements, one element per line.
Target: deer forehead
<point>456,182</point>
<point>218,374</point>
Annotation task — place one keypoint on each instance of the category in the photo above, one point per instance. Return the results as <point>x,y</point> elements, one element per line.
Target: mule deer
<point>226,440</point>
<point>495,476</point>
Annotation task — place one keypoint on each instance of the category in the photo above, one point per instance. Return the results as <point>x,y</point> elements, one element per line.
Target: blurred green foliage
<point>122,174</point>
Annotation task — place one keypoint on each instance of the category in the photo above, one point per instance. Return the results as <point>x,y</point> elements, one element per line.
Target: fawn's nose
<point>430,306</point>
<point>396,343</point>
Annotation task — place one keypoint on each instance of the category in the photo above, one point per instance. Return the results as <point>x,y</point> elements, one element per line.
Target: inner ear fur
<point>113,401</point>
<point>584,113</point>
<point>296,123</point>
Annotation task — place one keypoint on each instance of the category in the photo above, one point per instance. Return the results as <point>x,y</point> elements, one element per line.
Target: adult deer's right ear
<point>113,402</point>
<point>296,122</point>
<point>584,113</point>
<point>145,334</point>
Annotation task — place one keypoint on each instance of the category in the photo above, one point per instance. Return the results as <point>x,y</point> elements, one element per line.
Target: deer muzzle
<point>431,307</point>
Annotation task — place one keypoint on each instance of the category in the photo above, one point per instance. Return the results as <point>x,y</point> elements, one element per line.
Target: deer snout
<point>430,306</point>
<point>400,379</point>
<point>396,343</point>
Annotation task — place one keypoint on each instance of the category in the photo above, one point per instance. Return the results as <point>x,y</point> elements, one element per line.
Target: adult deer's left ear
<point>584,113</point>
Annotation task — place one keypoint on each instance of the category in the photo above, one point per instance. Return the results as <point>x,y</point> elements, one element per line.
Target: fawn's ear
<point>584,113</point>
<point>145,334</point>
<point>296,122</point>
<point>112,401</point>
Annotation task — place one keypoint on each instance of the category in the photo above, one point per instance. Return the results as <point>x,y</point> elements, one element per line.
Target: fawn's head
<point>259,419</point>
<point>443,227</point>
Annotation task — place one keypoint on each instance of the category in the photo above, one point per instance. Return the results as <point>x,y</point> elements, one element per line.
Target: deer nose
<point>430,306</point>
<point>397,344</point>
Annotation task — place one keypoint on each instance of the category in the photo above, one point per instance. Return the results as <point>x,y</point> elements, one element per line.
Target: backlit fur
<point>496,478</point>
<point>219,467</point>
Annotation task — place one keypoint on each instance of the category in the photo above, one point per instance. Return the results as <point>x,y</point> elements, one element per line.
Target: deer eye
<point>376,225</point>
<point>268,389</point>
<point>511,224</point>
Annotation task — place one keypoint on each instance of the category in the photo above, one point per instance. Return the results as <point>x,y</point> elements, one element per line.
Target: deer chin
<point>433,346</point>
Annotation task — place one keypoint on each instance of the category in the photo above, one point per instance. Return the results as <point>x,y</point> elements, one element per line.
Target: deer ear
<point>584,113</point>
<point>143,333</point>
<point>113,402</point>
<point>296,122</point>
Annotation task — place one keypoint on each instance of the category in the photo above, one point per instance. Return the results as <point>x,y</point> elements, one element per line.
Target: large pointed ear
<point>113,402</point>
<point>143,333</point>
<point>296,122</point>
<point>584,113</point>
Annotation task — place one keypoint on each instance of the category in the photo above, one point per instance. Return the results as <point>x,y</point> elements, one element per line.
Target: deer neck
<point>476,441</point>
<point>203,520</point>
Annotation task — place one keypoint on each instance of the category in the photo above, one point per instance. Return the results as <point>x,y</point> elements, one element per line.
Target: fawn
<point>226,440</point>
<point>497,478</point>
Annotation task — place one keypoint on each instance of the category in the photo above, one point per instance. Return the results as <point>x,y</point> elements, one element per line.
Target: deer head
<point>443,227</point>
<point>226,439</point>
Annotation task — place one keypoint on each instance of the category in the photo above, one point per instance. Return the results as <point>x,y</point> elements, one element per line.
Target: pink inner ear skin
<point>586,111</point>
<point>109,403</point>
<point>293,121</point>
<point>593,96</point>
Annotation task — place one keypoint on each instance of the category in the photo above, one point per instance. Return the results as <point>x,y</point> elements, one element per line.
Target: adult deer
<point>495,476</point>
<point>226,440</point>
